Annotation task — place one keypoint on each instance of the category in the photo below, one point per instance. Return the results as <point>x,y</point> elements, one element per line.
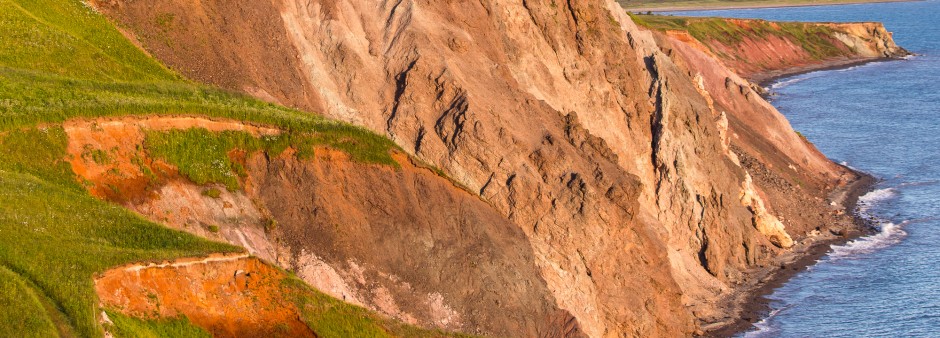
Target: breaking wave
<point>889,233</point>
<point>784,83</point>
<point>764,328</point>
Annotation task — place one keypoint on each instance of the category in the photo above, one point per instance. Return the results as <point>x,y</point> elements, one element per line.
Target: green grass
<point>212,192</point>
<point>66,38</point>
<point>60,60</point>
<point>28,98</point>
<point>130,327</point>
<point>57,239</point>
<point>817,40</point>
<point>39,152</point>
<point>22,310</point>
<point>64,61</point>
<point>205,157</point>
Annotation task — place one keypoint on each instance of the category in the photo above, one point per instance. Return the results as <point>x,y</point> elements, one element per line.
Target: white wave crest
<point>764,328</point>
<point>788,82</point>
<point>888,234</point>
<point>846,164</point>
<point>875,196</point>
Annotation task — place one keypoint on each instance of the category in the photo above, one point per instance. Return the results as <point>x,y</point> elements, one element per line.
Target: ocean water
<point>882,118</point>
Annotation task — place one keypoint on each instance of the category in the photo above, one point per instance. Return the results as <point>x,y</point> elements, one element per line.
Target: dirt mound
<point>229,296</point>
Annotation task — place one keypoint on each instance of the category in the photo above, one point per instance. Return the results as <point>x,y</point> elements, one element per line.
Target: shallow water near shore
<point>882,118</point>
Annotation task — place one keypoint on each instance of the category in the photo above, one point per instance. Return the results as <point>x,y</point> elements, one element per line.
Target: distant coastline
<point>767,79</point>
<point>719,5</point>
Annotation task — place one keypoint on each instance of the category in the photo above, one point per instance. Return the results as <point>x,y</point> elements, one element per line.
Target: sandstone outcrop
<point>625,179</point>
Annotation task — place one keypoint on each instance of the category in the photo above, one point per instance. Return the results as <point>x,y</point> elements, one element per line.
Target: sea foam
<point>764,328</point>
<point>788,82</point>
<point>889,233</point>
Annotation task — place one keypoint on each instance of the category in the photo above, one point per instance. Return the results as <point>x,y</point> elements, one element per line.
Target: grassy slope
<point>64,61</point>
<point>60,60</point>
<point>814,39</point>
<point>125,326</point>
<point>202,156</point>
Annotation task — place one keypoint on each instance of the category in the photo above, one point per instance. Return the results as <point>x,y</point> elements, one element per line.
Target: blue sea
<point>882,118</point>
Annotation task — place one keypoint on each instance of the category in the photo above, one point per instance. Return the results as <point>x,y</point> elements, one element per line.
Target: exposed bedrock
<point>647,179</point>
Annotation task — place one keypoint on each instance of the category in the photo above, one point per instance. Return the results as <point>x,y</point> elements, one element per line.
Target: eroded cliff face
<point>648,180</point>
<point>402,241</point>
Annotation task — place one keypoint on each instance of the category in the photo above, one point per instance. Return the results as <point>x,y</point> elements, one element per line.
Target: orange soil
<point>230,296</point>
<point>227,295</point>
<point>121,176</point>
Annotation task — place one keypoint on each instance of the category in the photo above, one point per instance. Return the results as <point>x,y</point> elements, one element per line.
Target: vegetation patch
<point>203,156</point>
<point>23,314</point>
<point>207,157</point>
<point>39,152</point>
<point>126,326</point>
<point>270,225</point>
<point>212,192</point>
<point>98,156</point>
<point>59,238</point>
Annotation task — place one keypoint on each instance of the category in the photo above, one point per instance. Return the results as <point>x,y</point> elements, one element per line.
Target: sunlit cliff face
<point>632,177</point>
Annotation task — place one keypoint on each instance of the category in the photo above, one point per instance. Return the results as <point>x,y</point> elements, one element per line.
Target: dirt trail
<point>228,295</point>
<point>184,262</point>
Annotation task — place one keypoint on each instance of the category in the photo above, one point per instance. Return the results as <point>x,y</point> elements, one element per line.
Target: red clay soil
<point>229,296</point>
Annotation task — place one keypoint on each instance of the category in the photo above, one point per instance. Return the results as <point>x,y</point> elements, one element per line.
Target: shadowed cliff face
<point>647,178</point>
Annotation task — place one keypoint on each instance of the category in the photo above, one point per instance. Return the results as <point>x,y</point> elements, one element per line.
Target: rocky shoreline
<point>751,300</point>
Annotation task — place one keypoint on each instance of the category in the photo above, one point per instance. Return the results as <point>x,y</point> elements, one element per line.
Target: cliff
<point>760,50</point>
<point>614,181</point>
